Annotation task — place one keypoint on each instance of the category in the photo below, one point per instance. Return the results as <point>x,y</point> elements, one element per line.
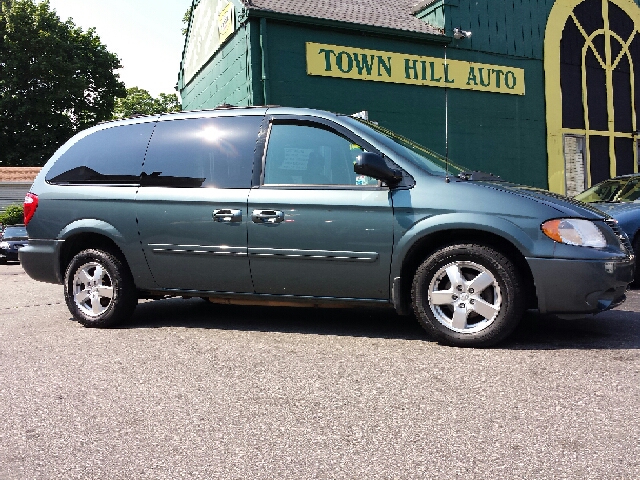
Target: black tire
<point>459,315</point>
<point>99,289</point>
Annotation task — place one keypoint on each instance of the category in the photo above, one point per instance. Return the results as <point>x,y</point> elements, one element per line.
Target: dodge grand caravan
<point>303,207</point>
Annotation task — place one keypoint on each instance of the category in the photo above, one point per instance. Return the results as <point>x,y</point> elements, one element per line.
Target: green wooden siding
<point>225,78</point>
<point>506,27</point>
<point>501,134</point>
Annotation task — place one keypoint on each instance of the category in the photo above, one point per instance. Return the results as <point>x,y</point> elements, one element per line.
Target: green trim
<point>248,60</point>
<point>322,22</point>
<point>265,59</point>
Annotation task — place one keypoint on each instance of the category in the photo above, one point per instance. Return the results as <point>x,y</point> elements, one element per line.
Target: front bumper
<point>41,260</point>
<point>580,286</point>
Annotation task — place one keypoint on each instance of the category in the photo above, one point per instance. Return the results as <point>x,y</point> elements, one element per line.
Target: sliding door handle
<point>267,216</point>
<point>227,215</point>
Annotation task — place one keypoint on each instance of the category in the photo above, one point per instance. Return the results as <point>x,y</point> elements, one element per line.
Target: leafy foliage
<point>185,20</point>
<point>140,102</point>
<point>12,215</point>
<point>55,80</point>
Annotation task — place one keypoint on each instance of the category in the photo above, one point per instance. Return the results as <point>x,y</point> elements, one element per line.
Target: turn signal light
<point>30,205</point>
<point>550,229</point>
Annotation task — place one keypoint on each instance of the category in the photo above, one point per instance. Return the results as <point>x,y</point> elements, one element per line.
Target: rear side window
<point>202,152</point>
<point>110,156</point>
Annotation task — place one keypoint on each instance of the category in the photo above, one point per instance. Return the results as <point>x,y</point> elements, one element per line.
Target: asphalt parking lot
<point>192,390</point>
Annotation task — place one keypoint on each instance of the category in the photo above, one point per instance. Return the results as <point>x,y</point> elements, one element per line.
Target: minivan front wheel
<point>98,289</point>
<point>468,295</point>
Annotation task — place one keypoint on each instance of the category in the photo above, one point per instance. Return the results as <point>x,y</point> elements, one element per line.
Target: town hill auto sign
<point>379,66</point>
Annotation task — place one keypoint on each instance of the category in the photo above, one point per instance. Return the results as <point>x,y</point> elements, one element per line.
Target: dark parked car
<point>620,198</point>
<point>291,206</point>
<point>13,238</point>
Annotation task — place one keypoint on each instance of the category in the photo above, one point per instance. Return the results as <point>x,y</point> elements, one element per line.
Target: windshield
<point>421,156</point>
<point>14,232</point>
<point>625,189</point>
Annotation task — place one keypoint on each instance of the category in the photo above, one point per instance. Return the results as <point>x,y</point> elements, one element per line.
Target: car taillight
<point>30,205</point>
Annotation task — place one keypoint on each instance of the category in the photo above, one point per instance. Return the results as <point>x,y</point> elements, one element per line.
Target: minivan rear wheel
<point>468,295</point>
<point>99,289</point>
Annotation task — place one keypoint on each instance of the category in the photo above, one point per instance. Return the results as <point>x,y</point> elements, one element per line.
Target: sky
<point>144,34</point>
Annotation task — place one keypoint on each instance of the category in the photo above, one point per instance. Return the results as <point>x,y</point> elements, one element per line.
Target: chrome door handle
<point>267,216</point>
<point>226,215</point>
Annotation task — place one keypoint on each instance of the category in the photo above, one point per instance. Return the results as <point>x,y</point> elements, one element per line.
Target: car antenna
<point>446,124</point>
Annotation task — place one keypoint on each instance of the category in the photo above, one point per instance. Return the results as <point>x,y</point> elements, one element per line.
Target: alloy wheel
<point>92,289</point>
<point>464,296</point>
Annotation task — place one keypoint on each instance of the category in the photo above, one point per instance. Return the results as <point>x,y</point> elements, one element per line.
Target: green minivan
<point>290,206</point>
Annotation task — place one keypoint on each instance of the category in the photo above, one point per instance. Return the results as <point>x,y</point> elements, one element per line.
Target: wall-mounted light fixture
<point>458,33</point>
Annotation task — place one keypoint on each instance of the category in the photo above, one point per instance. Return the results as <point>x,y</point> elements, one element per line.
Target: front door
<point>316,228</point>
<point>192,205</point>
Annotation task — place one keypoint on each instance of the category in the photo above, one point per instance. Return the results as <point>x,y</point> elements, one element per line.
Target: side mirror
<point>373,165</point>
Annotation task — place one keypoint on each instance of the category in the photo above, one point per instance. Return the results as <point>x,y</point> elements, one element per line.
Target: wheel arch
<point>84,234</point>
<point>425,245</point>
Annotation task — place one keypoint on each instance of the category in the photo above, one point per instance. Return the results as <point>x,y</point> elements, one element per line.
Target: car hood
<point>617,208</point>
<point>565,205</point>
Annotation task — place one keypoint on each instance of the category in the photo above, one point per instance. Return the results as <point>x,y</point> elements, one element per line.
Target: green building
<point>540,92</point>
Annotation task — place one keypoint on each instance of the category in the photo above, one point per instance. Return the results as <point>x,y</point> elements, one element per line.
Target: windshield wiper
<point>478,175</point>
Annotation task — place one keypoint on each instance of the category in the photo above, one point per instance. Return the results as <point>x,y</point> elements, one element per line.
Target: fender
<point>92,225</point>
<point>496,225</point>
<point>129,247</point>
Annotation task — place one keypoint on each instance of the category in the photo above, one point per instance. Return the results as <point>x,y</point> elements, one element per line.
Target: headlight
<point>4,244</point>
<point>574,231</point>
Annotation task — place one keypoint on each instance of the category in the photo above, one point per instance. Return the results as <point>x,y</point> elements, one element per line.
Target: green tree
<point>169,102</point>
<point>140,102</point>
<point>55,80</point>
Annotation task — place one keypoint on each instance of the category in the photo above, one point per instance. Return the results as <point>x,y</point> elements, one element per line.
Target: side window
<point>304,155</point>
<point>110,156</point>
<point>202,152</point>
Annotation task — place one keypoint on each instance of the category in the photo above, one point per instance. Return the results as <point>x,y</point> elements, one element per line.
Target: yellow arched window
<point>592,49</point>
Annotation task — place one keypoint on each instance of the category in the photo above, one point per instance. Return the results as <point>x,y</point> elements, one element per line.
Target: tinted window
<point>300,154</point>
<point>110,156</point>
<point>202,152</point>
